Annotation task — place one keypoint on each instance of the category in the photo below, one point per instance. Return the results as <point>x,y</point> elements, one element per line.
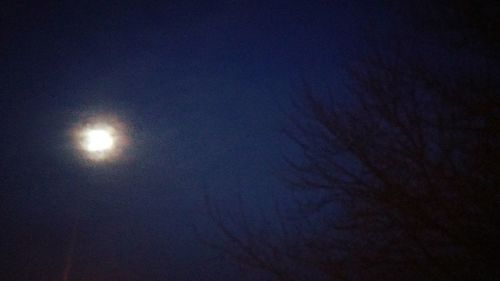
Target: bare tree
<point>403,183</point>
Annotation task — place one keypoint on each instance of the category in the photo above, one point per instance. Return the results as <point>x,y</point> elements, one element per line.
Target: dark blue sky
<point>203,88</point>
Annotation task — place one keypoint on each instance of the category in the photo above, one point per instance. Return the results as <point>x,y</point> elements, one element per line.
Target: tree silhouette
<point>403,183</point>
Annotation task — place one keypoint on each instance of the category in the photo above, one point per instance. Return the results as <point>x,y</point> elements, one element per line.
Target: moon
<point>101,139</point>
<point>98,140</point>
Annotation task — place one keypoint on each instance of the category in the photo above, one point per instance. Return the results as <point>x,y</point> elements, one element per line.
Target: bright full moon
<point>101,139</point>
<point>98,140</point>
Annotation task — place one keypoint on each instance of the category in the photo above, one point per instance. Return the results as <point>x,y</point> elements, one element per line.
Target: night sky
<point>203,89</point>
